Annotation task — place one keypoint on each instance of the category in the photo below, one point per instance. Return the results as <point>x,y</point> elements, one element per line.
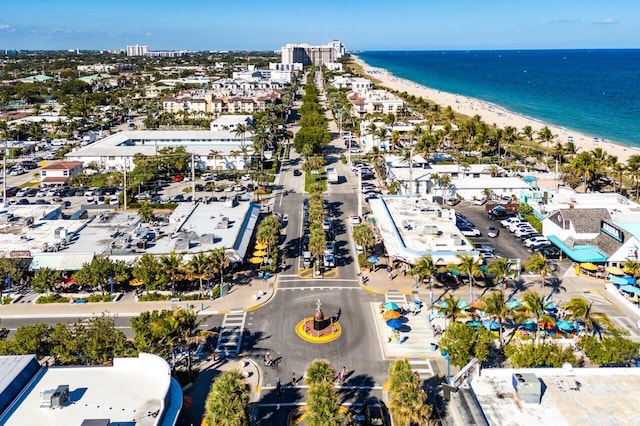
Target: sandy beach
<point>494,114</point>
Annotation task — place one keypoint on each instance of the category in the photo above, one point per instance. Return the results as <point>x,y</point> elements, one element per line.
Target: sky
<point>361,25</point>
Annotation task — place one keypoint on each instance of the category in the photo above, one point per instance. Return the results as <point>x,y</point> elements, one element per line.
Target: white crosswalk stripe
<point>230,339</point>
<point>395,297</point>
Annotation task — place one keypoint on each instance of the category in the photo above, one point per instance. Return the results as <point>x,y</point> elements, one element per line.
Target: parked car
<point>331,246</point>
<point>480,201</point>
<point>31,192</point>
<point>508,221</point>
<point>524,230</point>
<point>329,260</point>
<point>356,220</point>
<point>373,412</point>
<point>297,172</point>
<point>326,224</point>
<point>452,202</point>
<point>535,241</point>
<point>178,198</point>
<point>493,232</point>
<point>470,232</point>
<point>551,252</point>
<point>178,178</point>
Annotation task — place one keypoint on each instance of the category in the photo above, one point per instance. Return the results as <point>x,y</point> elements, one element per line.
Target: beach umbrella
<point>478,304</point>
<point>491,325</point>
<point>615,270</point>
<point>260,246</point>
<point>463,304</point>
<point>373,259</point>
<point>549,305</point>
<point>618,280</point>
<point>630,289</point>
<point>512,304</point>
<point>629,280</point>
<point>589,266</point>
<point>473,323</point>
<point>391,315</point>
<point>394,323</point>
<point>255,260</point>
<point>441,304</point>
<point>391,306</point>
<point>565,325</point>
<point>529,325</point>
<point>259,253</point>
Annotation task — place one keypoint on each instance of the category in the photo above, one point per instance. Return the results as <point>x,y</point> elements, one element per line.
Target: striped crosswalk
<point>230,339</point>
<point>423,367</point>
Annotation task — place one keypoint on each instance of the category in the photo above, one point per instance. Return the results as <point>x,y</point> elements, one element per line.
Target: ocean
<point>595,92</point>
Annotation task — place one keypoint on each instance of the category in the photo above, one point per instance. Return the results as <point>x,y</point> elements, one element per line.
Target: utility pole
<point>4,171</point>
<point>193,177</point>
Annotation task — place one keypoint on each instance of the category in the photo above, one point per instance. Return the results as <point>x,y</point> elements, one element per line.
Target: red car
<point>178,178</point>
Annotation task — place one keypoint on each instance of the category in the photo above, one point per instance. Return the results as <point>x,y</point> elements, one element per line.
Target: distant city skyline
<point>371,25</point>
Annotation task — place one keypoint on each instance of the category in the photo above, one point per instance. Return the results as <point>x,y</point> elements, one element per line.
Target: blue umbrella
<point>463,304</point>
<point>549,306</point>
<point>630,289</point>
<point>629,280</point>
<point>564,325</point>
<point>491,325</point>
<point>373,259</point>
<point>474,324</point>
<point>441,303</point>
<point>394,323</point>
<point>391,306</point>
<point>512,304</point>
<point>530,325</point>
<point>618,280</point>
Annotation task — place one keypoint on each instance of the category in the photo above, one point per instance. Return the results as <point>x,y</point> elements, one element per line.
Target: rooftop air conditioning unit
<point>55,398</point>
<point>528,387</point>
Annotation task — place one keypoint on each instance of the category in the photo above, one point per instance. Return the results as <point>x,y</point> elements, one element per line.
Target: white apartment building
<point>312,55</point>
<point>356,84</point>
<point>372,101</point>
<point>137,50</point>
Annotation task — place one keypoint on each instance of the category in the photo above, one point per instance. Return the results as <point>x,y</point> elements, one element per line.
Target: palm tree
<point>533,307</point>
<point>198,266</point>
<point>632,265</point>
<point>469,265</point>
<point>545,135</point>
<point>228,401</point>
<point>319,371</point>
<point>406,156</point>
<point>145,211</point>
<point>580,310</point>
<point>528,132</point>
<point>450,308</point>
<point>408,400</point>
<point>425,269</point>
<point>219,261</point>
<point>500,268</point>
<point>363,236</point>
<point>538,264</point>
<point>213,155</point>
<point>171,264</point>
<point>496,307</point>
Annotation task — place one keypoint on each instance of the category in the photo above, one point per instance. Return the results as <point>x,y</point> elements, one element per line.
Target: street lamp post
<point>110,289</point>
<point>448,359</point>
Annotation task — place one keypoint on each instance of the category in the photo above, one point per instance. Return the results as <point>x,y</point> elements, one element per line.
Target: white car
<point>514,226</point>
<point>91,201</point>
<point>470,232</point>
<point>508,221</point>
<point>523,231</point>
<point>480,201</point>
<point>246,177</point>
<point>356,220</point>
<point>113,200</point>
<point>89,192</point>
<point>535,241</point>
<point>41,193</point>
<point>51,192</point>
<point>17,172</point>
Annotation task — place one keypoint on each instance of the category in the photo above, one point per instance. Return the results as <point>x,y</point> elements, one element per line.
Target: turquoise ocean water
<point>596,92</point>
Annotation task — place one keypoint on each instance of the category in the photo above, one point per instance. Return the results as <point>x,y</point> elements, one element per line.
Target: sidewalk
<point>242,296</point>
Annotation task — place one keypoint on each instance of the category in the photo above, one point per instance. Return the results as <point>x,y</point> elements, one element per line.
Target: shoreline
<point>496,114</point>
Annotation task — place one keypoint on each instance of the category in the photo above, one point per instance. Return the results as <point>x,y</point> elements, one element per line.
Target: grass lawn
<point>311,181</point>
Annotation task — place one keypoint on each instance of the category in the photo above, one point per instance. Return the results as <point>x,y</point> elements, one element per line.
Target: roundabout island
<point>318,328</point>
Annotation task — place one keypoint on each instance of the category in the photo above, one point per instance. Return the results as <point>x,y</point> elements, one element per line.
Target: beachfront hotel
<point>312,55</point>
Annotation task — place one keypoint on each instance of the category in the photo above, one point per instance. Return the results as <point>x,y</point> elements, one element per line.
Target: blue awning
<point>579,253</point>
<point>618,280</point>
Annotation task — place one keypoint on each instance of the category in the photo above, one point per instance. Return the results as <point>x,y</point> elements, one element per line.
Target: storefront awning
<point>580,253</point>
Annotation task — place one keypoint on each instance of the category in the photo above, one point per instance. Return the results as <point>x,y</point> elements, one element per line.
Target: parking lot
<point>506,244</point>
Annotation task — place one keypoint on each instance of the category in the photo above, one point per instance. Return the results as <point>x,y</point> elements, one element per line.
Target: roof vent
<point>55,398</point>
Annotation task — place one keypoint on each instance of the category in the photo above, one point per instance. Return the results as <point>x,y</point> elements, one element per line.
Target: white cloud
<point>5,26</point>
<point>149,34</point>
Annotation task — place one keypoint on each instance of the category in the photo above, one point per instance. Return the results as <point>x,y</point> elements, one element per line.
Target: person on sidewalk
<point>294,379</point>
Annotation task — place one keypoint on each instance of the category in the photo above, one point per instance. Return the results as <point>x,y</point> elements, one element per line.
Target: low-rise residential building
<point>372,101</point>
<point>58,173</point>
<point>356,84</point>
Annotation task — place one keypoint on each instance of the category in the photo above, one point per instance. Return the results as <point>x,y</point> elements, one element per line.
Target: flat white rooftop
<point>580,396</point>
<point>134,391</point>
<point>412,227</point>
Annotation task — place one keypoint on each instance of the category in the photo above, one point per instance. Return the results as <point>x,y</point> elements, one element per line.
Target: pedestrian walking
<point>294,378</point>
<point>278,387</point>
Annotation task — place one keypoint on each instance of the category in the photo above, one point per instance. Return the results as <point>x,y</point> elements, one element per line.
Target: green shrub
<point>52,298</point>
<point>99,298</point>
<point>198,296</point>
<point>152,297</point>
<point>343,158</point>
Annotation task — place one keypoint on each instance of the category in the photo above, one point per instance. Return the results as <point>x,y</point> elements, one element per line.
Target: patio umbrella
<point>260,246</point>
<point>255,260</point>
<point>478,304</point>
<point>259,253</point>
<point>589,266</point>
<point>474,324</point>
<point>529,325</point>
<point>373,259</point>
<point>441,303</point>
<point>629,280</point>
<point>391,306</point>
<point>391,315</point>
<point>618,280</point>
<point>491,325</point>
<point>463,304</point>
<point>615,270</point>
<point>512,304</point>
<point>549,306</point>
<point>394,323</point>
<point>564,325</point>
<point>630,289</point>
